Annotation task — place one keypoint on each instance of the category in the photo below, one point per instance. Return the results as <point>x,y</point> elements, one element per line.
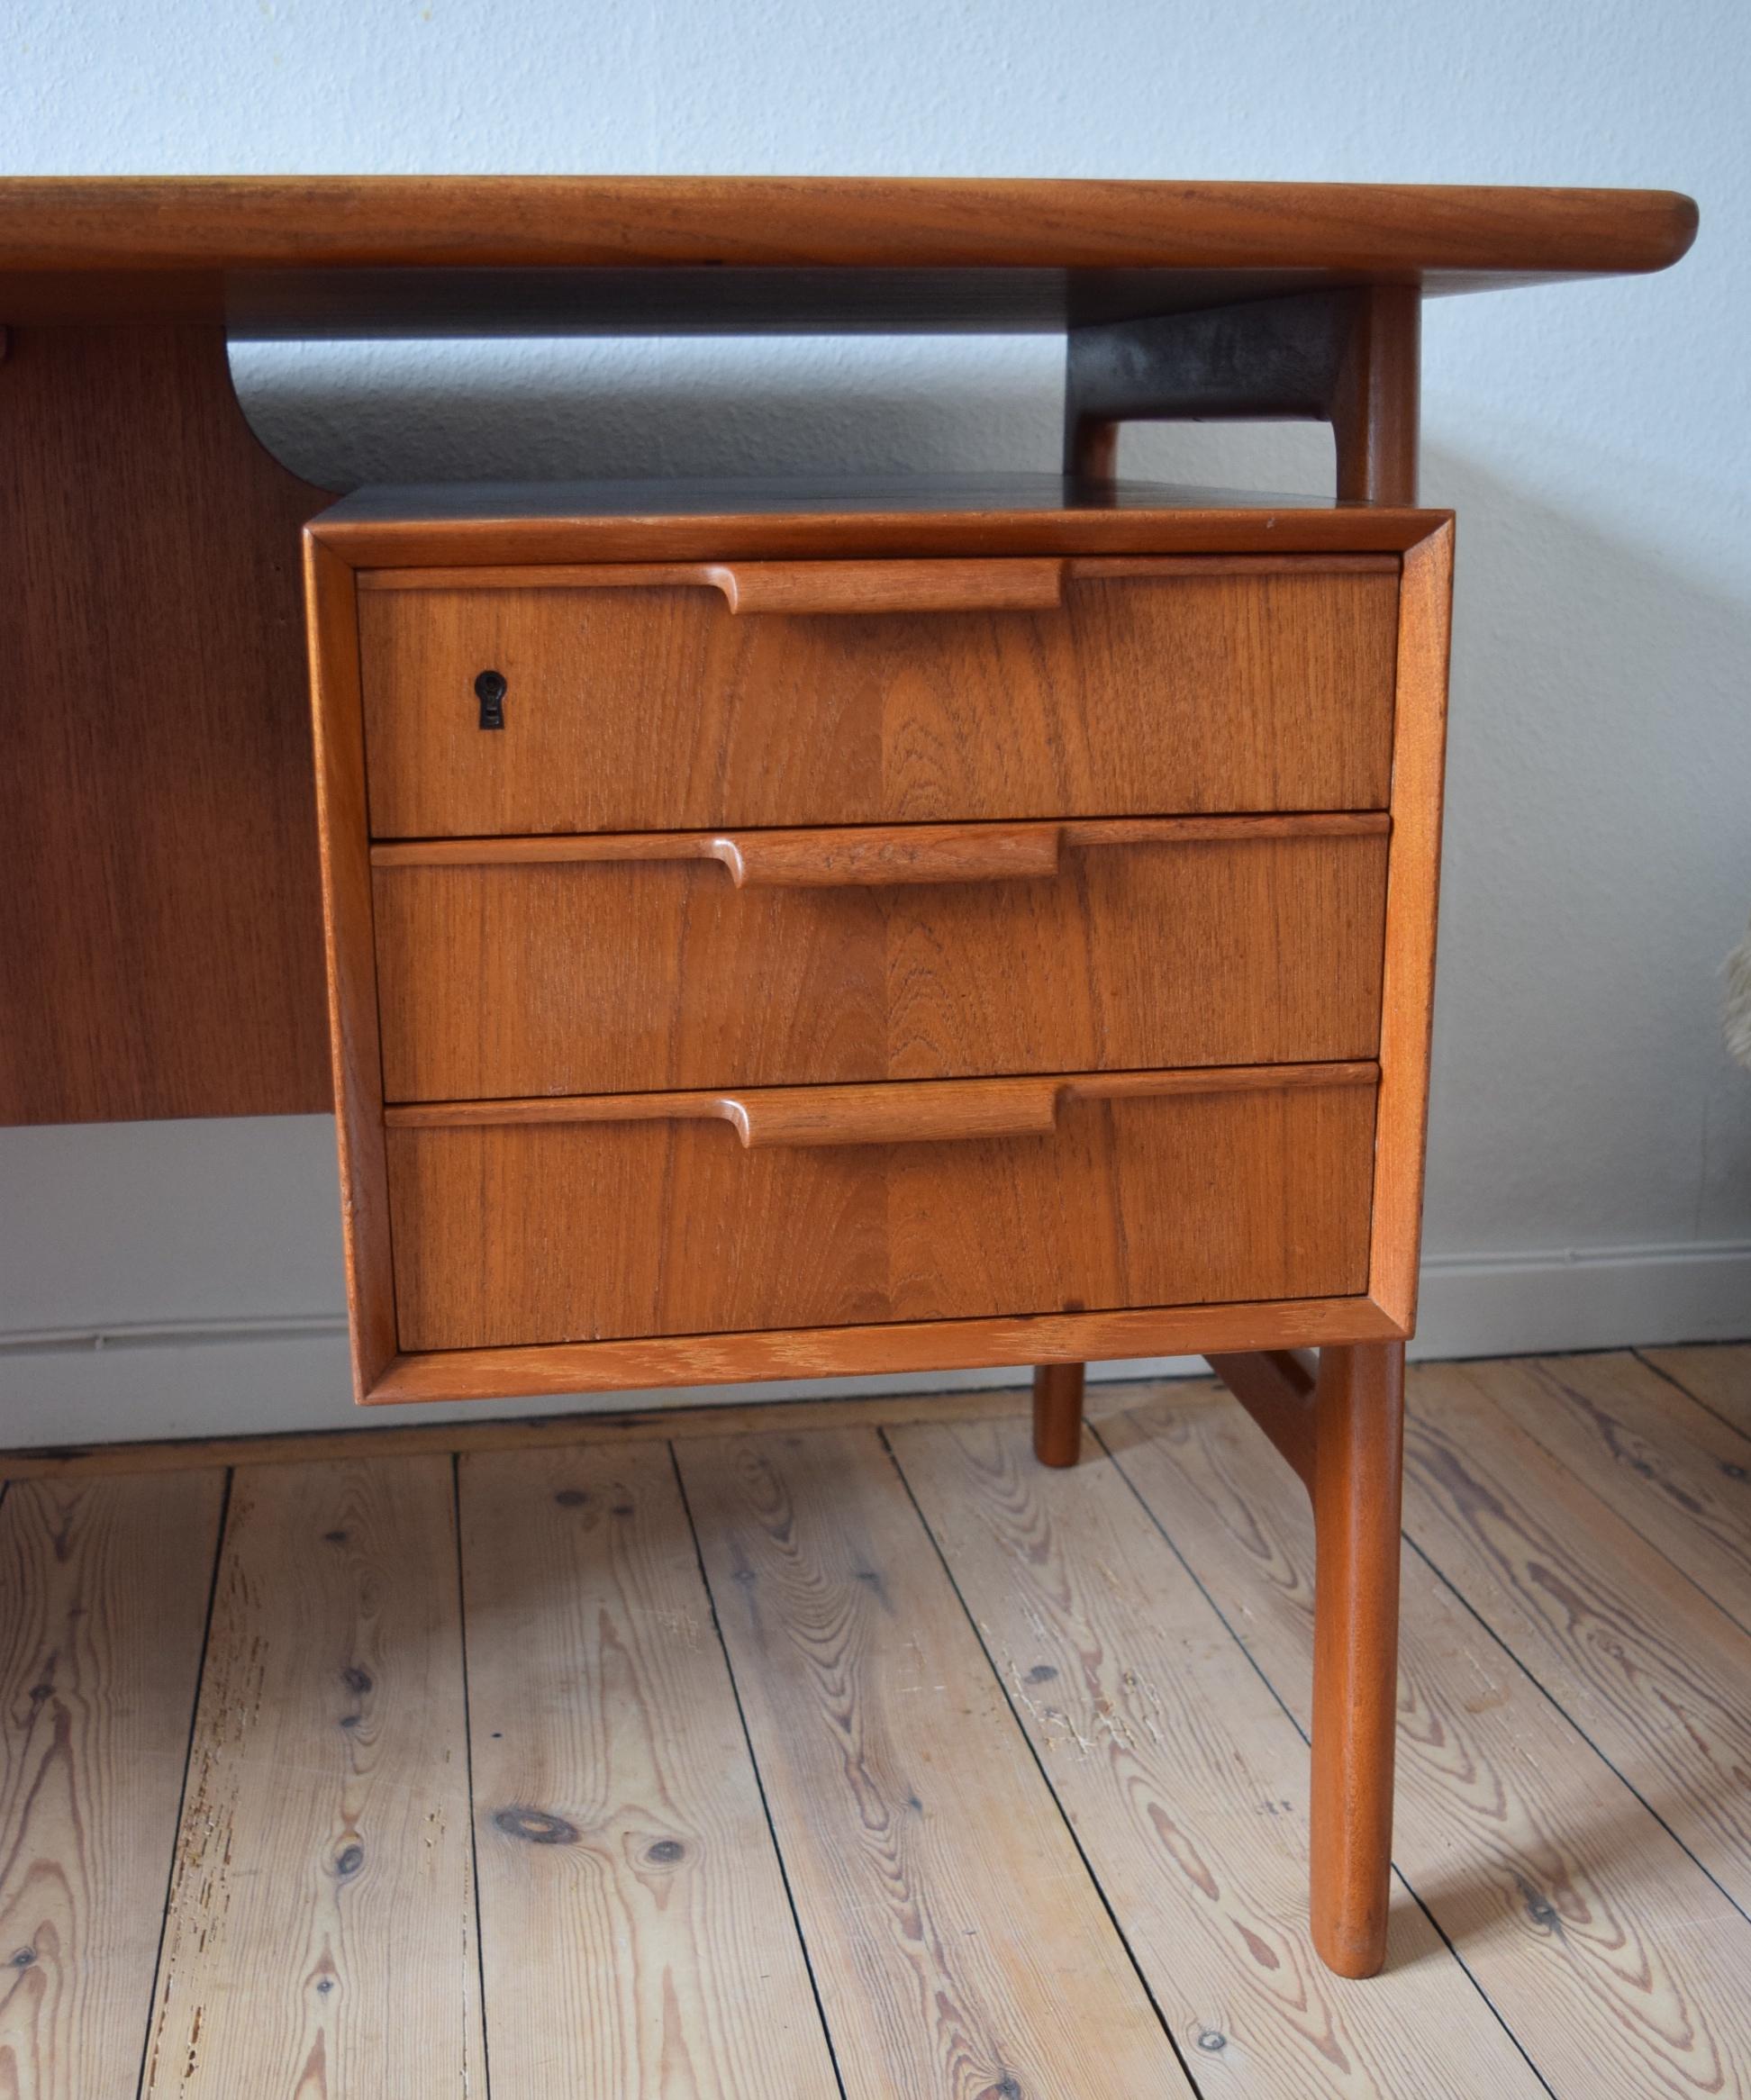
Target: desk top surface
<point>520,254</point>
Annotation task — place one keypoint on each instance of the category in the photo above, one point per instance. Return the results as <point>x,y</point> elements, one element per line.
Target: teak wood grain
<point>597,976</point>
<point>403,538</point>
<point>1358,1420</point>
<point>1186,1783</point>
<point>1060,1396</point>
<point>569,1231</point>
<point>349,947</point>
<point>161,951</point>
<point>1376,405</point>
<point>1276,1386</point>
<point>1594,1934</point>
<point>893,1347</point>
<point>899,584</point>
<point>890,586</point>
<point>903,1797</point>
<point>1413,883</point>
<point>1338,1420</point>
<point>323,1868</point>
<point>1238,550</point>
<point>286,253</point>
<point>653,707</point>
<point>636,1935</point>
<point>104,1587</point>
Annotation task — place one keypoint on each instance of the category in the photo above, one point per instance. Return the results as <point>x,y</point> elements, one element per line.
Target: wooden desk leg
<point>1359,1423</point>
<point>1057,1413</point>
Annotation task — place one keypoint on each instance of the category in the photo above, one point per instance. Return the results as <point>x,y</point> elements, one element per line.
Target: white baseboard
<point>211,1377</point>
<point>1589,1298</point>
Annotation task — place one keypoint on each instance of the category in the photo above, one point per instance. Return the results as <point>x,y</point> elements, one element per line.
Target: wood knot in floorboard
<point>535,1827</point>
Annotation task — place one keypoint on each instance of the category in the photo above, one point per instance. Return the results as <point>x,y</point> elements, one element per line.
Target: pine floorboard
<point>958,1942</point>
<point>1674,1471</point>
<point>319,1939</point>
<point>104,1589</point>
<point>619,1820</point>
<point>1589,1606</point>
<point>843,1752</point>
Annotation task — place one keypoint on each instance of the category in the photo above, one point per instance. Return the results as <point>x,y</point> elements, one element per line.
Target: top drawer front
<point>1152,688</point>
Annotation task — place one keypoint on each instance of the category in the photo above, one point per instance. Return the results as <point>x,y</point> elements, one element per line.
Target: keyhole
<point>489,689</point>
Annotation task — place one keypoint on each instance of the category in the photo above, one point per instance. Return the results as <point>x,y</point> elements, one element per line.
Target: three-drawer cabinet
<point>769,944</point>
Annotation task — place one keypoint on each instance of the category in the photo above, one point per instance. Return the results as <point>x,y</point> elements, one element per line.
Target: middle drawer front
<point>823,958</point>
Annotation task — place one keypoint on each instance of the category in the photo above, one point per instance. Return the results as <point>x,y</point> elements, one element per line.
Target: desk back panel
<point>162,948</point>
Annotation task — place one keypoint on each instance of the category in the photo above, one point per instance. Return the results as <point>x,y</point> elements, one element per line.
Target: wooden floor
<point>853,1753</point>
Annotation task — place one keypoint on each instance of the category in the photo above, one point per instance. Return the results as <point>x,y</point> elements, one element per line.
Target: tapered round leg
<point>1359,1432</point>
<point>1057,1413</point>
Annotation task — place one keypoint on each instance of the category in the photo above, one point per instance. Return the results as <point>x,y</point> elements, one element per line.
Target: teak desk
<point>776,931</point>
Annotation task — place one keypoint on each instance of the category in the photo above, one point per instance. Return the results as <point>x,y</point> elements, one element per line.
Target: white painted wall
<point>1590,1164</point>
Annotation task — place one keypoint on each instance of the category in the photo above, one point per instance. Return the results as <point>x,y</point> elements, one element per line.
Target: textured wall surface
<point>1590,1161</point>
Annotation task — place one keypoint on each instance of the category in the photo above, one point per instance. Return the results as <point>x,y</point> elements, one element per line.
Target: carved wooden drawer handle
<point>939,1112</point>
<point>880,854</point>
<point>890,586</point>
<point>919,1112</point>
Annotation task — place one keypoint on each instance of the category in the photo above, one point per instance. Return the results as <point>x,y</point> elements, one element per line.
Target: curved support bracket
<point>1276,1389</point>
<point>1346,357</point>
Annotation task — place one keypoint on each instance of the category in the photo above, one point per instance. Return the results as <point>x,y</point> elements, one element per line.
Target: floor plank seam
<point>1556,1706</point>
<point>1045,1779</point>
<point>1594,1497</point>
<point>1690,1392</point>
<point>1399,1875</point>
<point>182,1793</point>
<point>1172,1544</point>
<point>468,1767</point>
<point>759,1777</point>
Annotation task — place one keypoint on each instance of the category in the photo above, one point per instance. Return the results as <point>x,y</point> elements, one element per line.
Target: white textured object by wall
<point>1590,1176</point>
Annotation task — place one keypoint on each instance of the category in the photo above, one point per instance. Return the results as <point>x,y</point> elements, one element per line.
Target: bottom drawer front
<point>513,1232</point>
